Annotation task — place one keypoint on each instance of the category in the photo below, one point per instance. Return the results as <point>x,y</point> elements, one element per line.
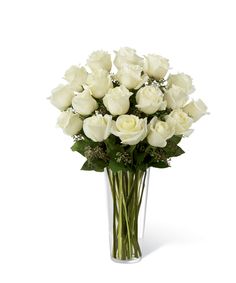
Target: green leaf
<point>178,151</point>
<point>160,164</point>
<point>113,146</point>
<point>172,149</point>
<point>86,166</point>
<point>115,166</point>
<point>89,142</point>
<point>174,140</point>
<point>79,146</point>
<point>111,139</point>
<point>97,165</point>
<point>139,157</point>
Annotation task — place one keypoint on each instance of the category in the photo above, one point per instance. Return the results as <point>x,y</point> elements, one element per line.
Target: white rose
<point>150,99</point>
<point>76,76</point>
<point>62,97</point>
<point>181,122</point>
<point>99,83</point>
<point>159,132</point>
<point>70,123</point>
<point>181,80</point>
<point>175,97</point>
<point>97,127</point>
<point>130,76</point>
<point>99,60</point>
<point>156,66</point>
<point>196,109</point>
<point>84,104</point>
<point>117,100</point>
<point>125,56</point>
<point>130,129</point>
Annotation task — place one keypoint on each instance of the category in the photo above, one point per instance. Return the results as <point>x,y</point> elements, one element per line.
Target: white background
<point>53,217</point>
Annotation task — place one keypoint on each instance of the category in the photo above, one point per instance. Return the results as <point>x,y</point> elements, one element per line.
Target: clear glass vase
<point>127,198</point>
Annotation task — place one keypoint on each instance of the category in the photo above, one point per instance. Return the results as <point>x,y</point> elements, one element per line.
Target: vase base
<point>126,261</point>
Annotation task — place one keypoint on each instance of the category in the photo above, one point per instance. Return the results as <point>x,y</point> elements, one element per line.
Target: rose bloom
<point>70,122</point>
<point>159,132</point>
<point>150,99</point>
<point>97,127</point>
<point>62,97</point>
<point>130,129</point>
<point>196,109</point>
<point>181,80</point>
<point>99,60</point>
<point>131,76</point>
<point>116,100</point>
<point>127,56</point>
<point>99,83</point>
<point>175,97</point>
<point>76,76</point>
<point>155,66</point>
<point>180,121</point>
<point>84,104</point>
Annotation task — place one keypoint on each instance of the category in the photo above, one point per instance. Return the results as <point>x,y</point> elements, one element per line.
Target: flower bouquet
<point>124,122</point>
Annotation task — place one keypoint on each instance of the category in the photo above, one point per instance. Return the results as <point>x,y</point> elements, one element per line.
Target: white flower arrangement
<point>140,110</point>
<point>125,122</point>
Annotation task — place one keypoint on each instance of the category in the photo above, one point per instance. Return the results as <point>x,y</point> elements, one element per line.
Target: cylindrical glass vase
<point>127,198</point>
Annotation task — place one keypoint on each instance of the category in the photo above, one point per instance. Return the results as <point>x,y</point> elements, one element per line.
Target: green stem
<point>143,186</point>
<point>120,221</point>
<point>127,190</point>
<point>114,214</point>
<point>127,226</point>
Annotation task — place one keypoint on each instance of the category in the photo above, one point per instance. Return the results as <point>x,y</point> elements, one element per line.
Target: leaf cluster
<point>116,156</point>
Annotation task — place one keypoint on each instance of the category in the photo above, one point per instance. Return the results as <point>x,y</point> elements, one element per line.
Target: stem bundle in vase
<point>127,189</point>
<point>125,121</point>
